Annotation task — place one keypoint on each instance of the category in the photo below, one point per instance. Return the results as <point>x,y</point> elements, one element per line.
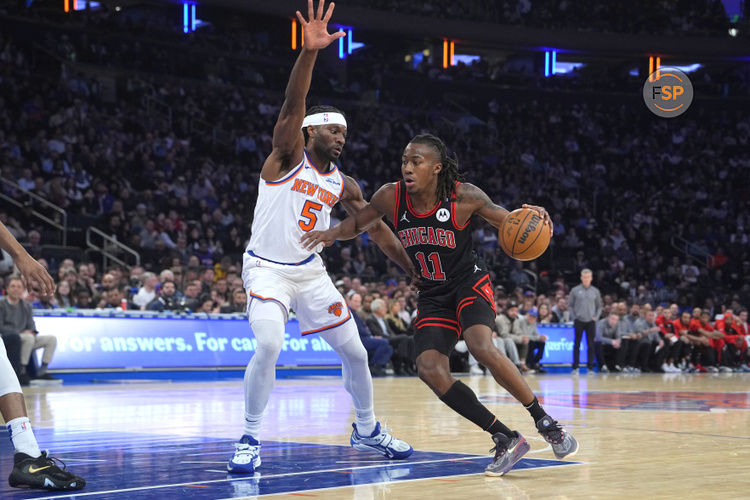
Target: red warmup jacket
<point>677,326</point>
<point>694,325</point>
<point>665,326</point>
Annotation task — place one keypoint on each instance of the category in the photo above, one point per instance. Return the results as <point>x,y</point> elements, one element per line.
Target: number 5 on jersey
<point>309,216</point>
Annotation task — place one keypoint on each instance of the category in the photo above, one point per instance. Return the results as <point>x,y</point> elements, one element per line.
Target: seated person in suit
<point>379,351</point>
<point>399,342</point>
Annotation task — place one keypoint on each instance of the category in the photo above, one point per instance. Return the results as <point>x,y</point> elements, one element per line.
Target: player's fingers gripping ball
<point>524,235</point>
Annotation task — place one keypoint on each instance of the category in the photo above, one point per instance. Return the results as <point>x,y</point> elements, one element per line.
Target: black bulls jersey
<point>440,249</point>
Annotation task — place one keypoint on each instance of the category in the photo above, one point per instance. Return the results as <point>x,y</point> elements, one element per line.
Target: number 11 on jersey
<point>434,258</point>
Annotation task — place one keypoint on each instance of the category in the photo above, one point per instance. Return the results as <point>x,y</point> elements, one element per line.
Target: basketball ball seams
<point>515,236</point>
<point>528,230</point>
<point>531,245</point>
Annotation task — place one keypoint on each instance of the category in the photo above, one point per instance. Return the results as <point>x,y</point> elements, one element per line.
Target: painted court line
<point>210,481</point>
<point>405,480</point>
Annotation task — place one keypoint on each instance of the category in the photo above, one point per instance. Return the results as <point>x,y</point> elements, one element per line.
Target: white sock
<point>365,420</point>
<point>22,437</point>
<point>357,380</point>
<point>252,425</point>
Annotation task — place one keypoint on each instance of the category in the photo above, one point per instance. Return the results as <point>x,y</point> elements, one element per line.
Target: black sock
<point>461,399</point>
<point>536,410</point>
<point>498,426</point>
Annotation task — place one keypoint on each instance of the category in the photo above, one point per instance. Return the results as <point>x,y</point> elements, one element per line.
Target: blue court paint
<point>187,375</point>
<point>124,466</point>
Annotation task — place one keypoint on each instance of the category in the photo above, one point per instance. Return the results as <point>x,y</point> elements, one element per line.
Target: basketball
<point>523,235</point>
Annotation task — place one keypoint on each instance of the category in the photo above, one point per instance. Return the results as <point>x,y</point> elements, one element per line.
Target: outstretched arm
<point>363,217</point>
<point>470,197</point>
<point>355,204</point>
<point>288,143</point>
<point>31,270</point>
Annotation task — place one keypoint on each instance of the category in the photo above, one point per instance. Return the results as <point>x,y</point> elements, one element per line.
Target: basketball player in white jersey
<point>298,187</point>
<point>32,468</point>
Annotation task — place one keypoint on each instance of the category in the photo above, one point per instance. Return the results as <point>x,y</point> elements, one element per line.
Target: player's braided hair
<point>448,175</point>
<point>319,109</point>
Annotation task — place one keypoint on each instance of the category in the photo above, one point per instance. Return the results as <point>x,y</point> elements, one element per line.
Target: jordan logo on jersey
<point>403,218</point>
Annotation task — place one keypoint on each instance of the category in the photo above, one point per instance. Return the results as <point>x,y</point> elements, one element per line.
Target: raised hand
<point>316,34</point>
<point>543,214</point>
<point>33,272</point>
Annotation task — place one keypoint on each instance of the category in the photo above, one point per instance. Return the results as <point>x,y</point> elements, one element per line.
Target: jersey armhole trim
<point>396,205</point>
<point>343,184</point>
<point>289,176</point>
<point>453,210</point>
<point>453,218</point>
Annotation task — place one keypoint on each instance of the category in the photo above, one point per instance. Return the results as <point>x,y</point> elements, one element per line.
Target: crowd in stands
<point>639,335</point>
<point>621,185</point>
<point>703,17</point>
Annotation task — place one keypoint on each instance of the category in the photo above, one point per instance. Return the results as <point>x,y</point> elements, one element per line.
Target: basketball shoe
<point>246,456</point>
<point>382,442</point>
<point>563,443</point>
<point>42,472</point>
<point>508,451</point>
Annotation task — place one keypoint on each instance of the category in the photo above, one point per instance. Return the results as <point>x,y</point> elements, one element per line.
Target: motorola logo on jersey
<point>427,236</point>
<point>443,215</point>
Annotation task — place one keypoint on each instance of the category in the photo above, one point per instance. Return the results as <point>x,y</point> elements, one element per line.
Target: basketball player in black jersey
<point>431,212</point>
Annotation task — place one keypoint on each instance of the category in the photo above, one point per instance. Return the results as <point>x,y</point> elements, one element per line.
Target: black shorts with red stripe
<point>442,316</point>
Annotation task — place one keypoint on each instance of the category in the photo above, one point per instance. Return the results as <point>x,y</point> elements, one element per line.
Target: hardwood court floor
<point>648,436</point>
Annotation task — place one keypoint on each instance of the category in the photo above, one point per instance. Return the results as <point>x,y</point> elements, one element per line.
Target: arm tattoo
<point>473,195</point>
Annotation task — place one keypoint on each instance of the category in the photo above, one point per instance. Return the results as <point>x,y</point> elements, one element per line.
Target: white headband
<point>327,118</point>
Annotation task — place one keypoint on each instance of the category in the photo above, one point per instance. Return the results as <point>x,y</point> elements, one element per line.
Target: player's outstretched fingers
<point>329,12</point>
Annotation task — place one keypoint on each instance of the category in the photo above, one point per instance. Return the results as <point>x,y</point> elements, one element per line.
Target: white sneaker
<point>381,441</point>
<point>712,369</point>
<point>246,456</point>
<point>475,370</point>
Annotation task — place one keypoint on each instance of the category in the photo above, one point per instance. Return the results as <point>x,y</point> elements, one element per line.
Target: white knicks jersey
<point>291,206</point>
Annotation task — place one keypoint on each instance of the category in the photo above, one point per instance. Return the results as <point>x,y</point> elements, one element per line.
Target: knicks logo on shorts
<point>336,309</point>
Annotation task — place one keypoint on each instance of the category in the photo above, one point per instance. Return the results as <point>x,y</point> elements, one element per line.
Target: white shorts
<point>306,289</point>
